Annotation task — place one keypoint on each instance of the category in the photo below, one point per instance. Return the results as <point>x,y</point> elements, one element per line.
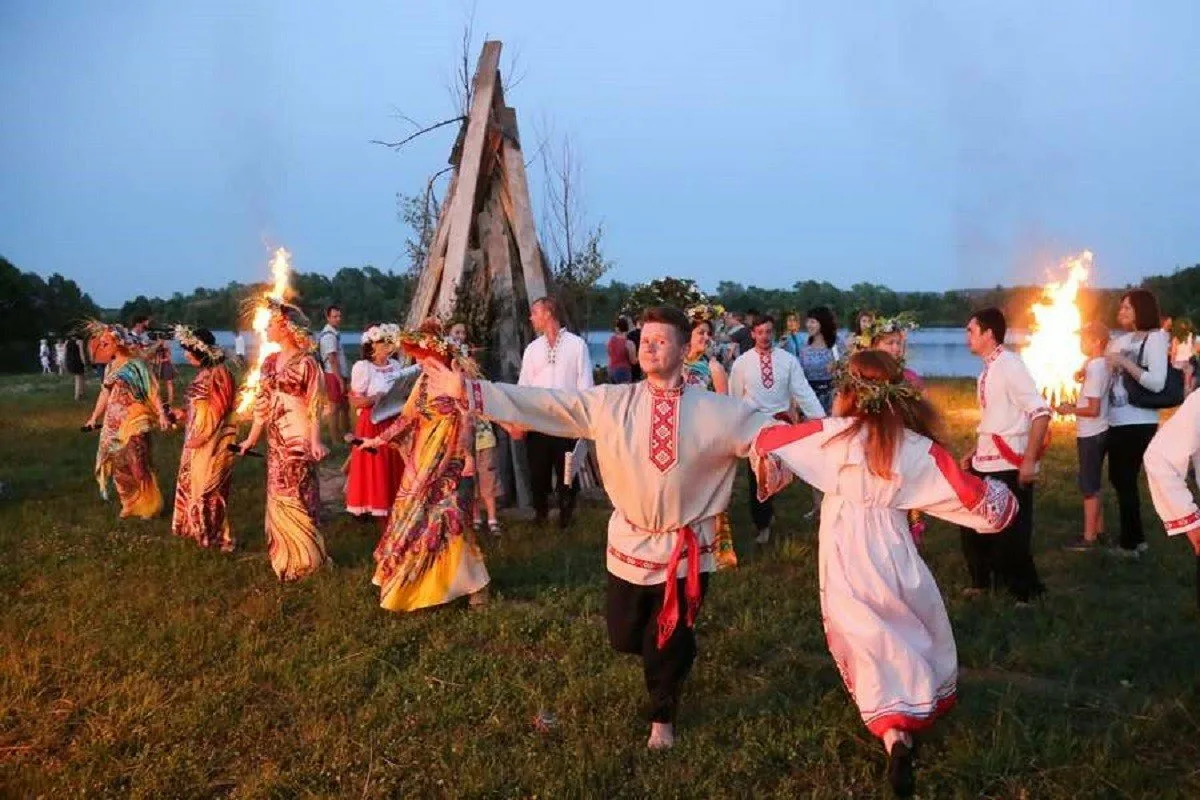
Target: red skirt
<point>374,477</point>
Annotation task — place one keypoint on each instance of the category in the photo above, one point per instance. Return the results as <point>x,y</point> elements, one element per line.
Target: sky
<point>153,147</point>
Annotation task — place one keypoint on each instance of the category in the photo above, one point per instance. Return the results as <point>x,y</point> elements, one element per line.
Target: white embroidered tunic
<point>566,365</point>
<point>885,622</point>
<point>667,458</point>
<point>1175,445</point>
<point>770,381</point>
<point>1008,402</point>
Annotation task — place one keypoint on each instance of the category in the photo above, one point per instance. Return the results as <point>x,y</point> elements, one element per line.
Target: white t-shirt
<point>1097,381</point>
<point>1154,359</point>
<point>239,345</point>
<point>1182,350</point>
<point>567,365</point>
<point>330,344</point>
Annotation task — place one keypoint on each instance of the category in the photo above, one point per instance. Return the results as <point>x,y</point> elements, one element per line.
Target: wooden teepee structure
<point>485,262</point>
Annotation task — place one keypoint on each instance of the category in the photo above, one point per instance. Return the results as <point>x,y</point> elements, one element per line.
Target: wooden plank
<point>521,211</point>
<point>506,336</point>
<point>421,306</point>
<point>487,76</point>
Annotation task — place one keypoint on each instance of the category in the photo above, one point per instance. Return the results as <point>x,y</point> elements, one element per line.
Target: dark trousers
<point>1005,558</point>
<point>1126,446</point>
<point>761,513</point>
<point>546,455</point>
<point>633,628</point>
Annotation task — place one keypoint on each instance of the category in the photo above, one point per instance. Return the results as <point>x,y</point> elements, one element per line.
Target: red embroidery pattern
<point>987,364</point>
<point>664,427</point>
<point>767,369</point>
<point>1182,522</point>
<point>652,566</point>
<point>774,437</point>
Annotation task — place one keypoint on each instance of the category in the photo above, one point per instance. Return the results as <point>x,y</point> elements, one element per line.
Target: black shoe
<point>900,770</point>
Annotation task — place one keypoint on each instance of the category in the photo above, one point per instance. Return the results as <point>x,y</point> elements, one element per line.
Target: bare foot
<point>662,736</point>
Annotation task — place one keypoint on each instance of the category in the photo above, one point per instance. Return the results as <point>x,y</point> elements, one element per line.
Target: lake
<point>933,352</point>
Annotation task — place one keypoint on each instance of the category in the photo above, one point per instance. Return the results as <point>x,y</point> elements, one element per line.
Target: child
<point>487,480</point>
<point>1091,429</point>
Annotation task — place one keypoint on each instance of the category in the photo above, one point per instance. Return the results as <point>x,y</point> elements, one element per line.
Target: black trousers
<point>1126,446</point>
<point>1005,559</point>
<point>546,456</point>
<point>761,513</point>
<point>633,628</point>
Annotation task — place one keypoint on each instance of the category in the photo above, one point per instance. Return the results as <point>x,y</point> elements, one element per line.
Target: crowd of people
<point>690,395</point>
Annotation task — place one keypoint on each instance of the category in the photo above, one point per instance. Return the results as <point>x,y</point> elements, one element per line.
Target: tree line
<point>33,308</point>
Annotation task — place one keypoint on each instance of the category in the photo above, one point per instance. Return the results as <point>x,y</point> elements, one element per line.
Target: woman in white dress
<point>884,619</point>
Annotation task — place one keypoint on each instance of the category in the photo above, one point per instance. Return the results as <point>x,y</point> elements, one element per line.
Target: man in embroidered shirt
<point>1013,419</point>
<point>557,359</point>
<point>770,378</point>
<point>668,455</point>
<point>1172,450</point>
<point>333,364</point>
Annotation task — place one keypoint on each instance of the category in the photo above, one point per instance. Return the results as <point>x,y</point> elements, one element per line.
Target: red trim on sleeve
<point>776,436</point>
<point>1182,522</point>
<point>969,488</point>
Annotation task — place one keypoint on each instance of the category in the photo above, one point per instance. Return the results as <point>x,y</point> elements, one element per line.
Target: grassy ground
<point>135,664</point>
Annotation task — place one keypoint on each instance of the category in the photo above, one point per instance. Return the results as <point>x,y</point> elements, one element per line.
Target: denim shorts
<point>1091,462</point>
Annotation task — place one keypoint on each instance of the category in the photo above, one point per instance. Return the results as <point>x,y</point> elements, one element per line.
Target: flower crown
<point>705,312</point>
<point>296,321</point>
<point>425,344</point>
<point>94,328</point>
<point>187,340</point>
<point>386,332</point>
<point>882,326</point>
<point>873,396</point>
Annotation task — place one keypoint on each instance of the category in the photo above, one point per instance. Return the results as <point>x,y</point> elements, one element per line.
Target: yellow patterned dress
<point>428,554</point>
<point>202,489</point>
<point>699,373</point>
<point>288,403</point>
<point>124,452</point>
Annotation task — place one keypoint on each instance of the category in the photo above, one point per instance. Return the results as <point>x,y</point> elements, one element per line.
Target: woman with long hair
<point>129,406</point>
<point>374,476</point>
<point>701,368</point>
<point>428,555</point>
<point>885,623</point>
<point>287,405</point>
<point>820,353</point>
<point>206,463</point>
<point>1141,355</point>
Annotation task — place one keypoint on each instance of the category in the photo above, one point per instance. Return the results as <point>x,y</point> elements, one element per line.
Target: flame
<point>1052,354</point>
<point>280,270</point>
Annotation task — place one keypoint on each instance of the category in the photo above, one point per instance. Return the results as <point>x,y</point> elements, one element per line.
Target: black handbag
<point>1171,394</point>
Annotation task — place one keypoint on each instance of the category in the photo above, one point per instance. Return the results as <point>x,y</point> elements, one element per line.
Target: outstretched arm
<point>934,482</point>
<point>1176,443</point>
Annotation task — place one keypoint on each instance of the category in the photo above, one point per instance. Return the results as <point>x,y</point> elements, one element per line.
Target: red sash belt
<point>1011,456</point>
<point>668,617</point>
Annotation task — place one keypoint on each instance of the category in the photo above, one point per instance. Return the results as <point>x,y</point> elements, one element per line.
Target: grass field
<point>133,664</point>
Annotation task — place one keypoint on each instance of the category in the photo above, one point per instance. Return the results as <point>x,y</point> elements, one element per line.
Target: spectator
<point>635,338</point>
<point>1141,356</point>
<point>73,360</point>
<point>1091,430</point>
<point>60,356</point>
<point>44,356</point>
<point>818,354</point>
<point>333,365</point>
<point>239,344</point>
<point>793,340</point>
<point>740,334</point>
<point>557,359</point>
<point>621,353</point>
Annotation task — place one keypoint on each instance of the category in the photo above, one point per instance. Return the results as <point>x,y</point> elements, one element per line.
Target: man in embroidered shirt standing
<point>769,378</point>
<point>668,455</point>
<point>333,364</point>
<point>1013,419</point>
<point>556,359</point>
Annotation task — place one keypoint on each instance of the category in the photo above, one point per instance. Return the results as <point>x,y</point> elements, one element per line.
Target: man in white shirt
<point>769,378</point>
<point>333,364</point>
<point>1013,419</point>
<point>239,345</point>
<point>556,359</point>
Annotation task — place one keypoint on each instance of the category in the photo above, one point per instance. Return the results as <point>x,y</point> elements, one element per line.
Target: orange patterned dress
<point>428,555</point>
<point>202,489</point>
<point>288,403</point>
<point>124,451</point>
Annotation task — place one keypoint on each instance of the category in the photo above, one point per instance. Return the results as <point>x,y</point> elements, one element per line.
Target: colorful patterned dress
<point>202,489</point>
<point>288,403</point>
<point>124,451</point>
<point>699,373</point>
<point>428,555</point>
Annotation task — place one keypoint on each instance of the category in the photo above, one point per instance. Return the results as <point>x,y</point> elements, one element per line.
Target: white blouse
<point>367,379</point>
<point>1154,360</point>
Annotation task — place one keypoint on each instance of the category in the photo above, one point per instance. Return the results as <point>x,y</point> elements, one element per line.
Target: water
<point>933,352</point>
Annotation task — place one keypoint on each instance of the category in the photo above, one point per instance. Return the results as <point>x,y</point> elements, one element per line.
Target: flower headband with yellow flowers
<point>187,340</point>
